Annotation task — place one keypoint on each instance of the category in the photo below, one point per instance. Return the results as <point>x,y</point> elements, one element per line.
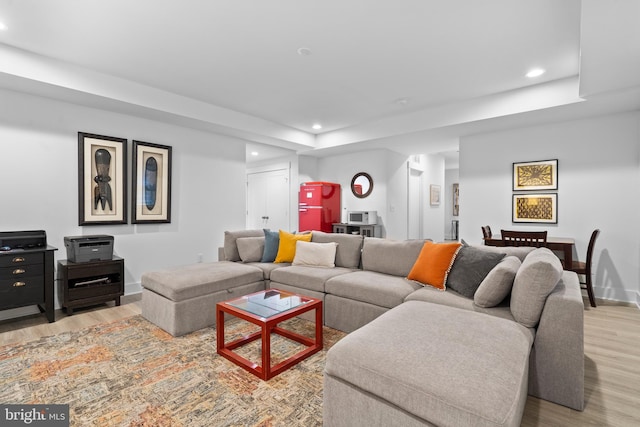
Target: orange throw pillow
<point>287,247</point>
<point>434,263</point>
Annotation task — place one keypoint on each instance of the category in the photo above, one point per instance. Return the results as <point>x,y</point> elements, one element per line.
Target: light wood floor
<point>612,360</point>
<point>29,328</point>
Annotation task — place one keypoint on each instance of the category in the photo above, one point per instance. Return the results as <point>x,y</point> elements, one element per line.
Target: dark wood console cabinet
<point>88,283</point>
<point>26,278</point>
<point>370,230</point>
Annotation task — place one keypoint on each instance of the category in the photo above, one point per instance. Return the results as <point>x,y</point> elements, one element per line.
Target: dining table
<point>555,244</point>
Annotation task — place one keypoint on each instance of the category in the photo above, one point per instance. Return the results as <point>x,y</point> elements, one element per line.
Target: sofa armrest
<point>556,371</point>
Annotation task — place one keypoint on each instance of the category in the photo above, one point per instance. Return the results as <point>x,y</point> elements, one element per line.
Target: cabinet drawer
<point>17,258</point>
<point>20,272</point>
<point>80,271</point>
<point>21,292</point>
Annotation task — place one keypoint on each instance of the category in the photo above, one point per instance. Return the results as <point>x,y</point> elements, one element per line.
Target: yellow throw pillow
<point>434,263</point>
<point>287,247</point>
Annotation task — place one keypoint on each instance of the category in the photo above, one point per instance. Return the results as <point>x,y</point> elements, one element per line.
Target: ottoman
<point>428,364</point>
<point>183,299</point>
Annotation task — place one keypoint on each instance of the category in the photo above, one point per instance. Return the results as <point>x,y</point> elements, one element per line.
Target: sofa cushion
<point>453,299</point>
<point>194,280</point>
<point>371,287</point>
<point>534,281</point>
<point>271,244</point>
<point>390,256</point>
<point>498,283</point>
<point>434,263</point>
<point>446,366</point>
<point>268,267</point>
<point>287,247</point>
<point>250,249</point>
<point>349,247</point>
<point>306,277</point>
<point>230,246</point>
<point>469,269</point>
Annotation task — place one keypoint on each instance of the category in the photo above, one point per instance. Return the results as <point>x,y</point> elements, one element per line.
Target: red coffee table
<point>266,309</point>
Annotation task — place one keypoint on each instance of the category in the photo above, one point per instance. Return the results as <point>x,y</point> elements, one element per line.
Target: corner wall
<point>39,185</point>
<point>598,177</point>
<point>341,169</point>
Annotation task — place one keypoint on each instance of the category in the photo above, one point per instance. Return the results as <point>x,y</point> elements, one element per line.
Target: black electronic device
<point>98,247</point>
<point>22,240</point>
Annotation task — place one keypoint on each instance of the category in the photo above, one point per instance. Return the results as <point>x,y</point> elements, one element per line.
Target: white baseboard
<point>132,288</point>
<point>621,295</point>
<point>19,312</point>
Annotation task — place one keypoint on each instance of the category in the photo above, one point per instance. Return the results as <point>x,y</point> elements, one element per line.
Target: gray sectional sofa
<point>414,354</point>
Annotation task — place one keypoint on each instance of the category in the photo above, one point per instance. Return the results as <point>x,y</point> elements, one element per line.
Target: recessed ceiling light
<point>304,51</point>
<point>316,126</point>
<point>535,72</point>
<point>254,153</point>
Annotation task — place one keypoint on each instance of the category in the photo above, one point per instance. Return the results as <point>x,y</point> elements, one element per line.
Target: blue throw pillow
<point>271,244</point>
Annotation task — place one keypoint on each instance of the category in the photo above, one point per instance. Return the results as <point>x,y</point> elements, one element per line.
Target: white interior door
<point>268,200</point>
<point>414,204</point>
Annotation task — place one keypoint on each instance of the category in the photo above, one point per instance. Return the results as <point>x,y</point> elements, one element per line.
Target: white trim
<point>413,166</point>
<point>269,168</point>
<point>132,288</point>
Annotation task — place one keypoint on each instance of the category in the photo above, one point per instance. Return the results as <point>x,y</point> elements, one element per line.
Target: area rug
<point>132,373</point>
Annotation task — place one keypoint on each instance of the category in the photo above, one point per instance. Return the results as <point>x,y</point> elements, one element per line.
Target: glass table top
<point>268,303</point>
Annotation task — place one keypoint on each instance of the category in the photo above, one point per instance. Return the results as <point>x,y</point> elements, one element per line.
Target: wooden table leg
<point>219,328</point>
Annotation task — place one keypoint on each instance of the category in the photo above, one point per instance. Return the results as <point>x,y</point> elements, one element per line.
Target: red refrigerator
<point>318,206</point>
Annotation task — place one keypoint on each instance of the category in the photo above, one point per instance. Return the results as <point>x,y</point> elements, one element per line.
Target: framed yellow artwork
<point>534,176</point>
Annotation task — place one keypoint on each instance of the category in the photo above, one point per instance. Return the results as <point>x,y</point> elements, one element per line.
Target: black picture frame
<point>540,208</point>
<point>151,186</point>
<point>539,175</point>
<point>102,179</point>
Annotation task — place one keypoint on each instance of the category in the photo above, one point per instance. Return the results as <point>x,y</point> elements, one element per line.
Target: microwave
<point>362,217</point>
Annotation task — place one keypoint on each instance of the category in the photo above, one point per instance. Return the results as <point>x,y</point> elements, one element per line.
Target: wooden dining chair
<point>584,268</point>
<point>524,238</point>
<point>486,232</point>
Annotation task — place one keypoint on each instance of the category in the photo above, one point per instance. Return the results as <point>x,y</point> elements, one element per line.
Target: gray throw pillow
<point>535,279</point>
<point>470,268</point>
<point>498,283</point>
<point>230,245</point>
<point>250,248</point>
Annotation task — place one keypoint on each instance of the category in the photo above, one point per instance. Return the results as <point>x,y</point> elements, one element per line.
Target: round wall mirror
<point>361,185</point>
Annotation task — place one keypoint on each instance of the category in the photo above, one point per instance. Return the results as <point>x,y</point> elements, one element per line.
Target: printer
<point>97,247</point>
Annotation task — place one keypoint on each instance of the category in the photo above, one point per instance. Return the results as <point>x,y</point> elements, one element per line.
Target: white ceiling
<point>233,65</point>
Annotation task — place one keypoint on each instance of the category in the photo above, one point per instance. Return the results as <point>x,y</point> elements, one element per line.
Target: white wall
<point>39,184</point>
<point>341,169</point>
<point>434,215</point>
<point>598,176</point>
<point>397,186</point>
<point>389,171</point>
